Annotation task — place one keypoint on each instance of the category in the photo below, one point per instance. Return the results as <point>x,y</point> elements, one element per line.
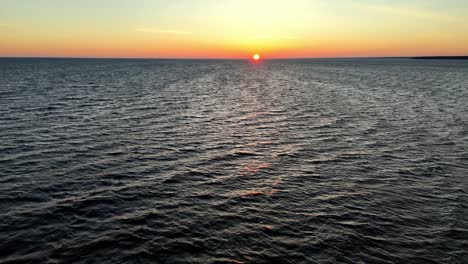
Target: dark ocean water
<point>293,161</point>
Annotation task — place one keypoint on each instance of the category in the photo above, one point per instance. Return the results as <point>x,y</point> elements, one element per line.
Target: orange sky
<point>232,28</point>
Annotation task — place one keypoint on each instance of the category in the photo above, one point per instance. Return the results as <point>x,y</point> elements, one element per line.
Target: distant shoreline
<point>441,58</point>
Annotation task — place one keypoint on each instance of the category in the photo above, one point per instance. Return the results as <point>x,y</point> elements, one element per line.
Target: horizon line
<point>227,58</point>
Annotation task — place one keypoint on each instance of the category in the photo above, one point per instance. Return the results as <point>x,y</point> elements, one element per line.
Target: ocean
<point>228,161</point>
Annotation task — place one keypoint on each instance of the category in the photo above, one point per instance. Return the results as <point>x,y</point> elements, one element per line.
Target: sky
<point>233,28</point>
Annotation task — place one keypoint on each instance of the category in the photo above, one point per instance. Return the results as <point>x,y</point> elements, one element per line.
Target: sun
<point>256,57</point>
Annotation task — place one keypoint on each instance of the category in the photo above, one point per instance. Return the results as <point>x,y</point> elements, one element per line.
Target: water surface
<point>288,161</point>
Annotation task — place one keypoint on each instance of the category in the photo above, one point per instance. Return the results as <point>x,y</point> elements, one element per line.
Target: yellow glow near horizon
<point>231,28</point>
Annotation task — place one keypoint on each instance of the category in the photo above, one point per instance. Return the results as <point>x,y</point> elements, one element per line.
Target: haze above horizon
<point>233,28</point>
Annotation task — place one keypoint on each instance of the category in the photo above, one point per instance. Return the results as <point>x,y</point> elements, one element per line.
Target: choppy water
<point>306,161</point>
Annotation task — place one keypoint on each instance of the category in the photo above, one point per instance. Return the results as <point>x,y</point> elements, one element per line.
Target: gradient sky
<point>233,28</point>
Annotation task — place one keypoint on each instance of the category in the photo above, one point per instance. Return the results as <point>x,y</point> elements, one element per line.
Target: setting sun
<point>256,57</point>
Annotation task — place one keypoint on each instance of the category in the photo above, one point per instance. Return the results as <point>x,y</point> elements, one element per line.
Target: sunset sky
<point>232,28</point>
